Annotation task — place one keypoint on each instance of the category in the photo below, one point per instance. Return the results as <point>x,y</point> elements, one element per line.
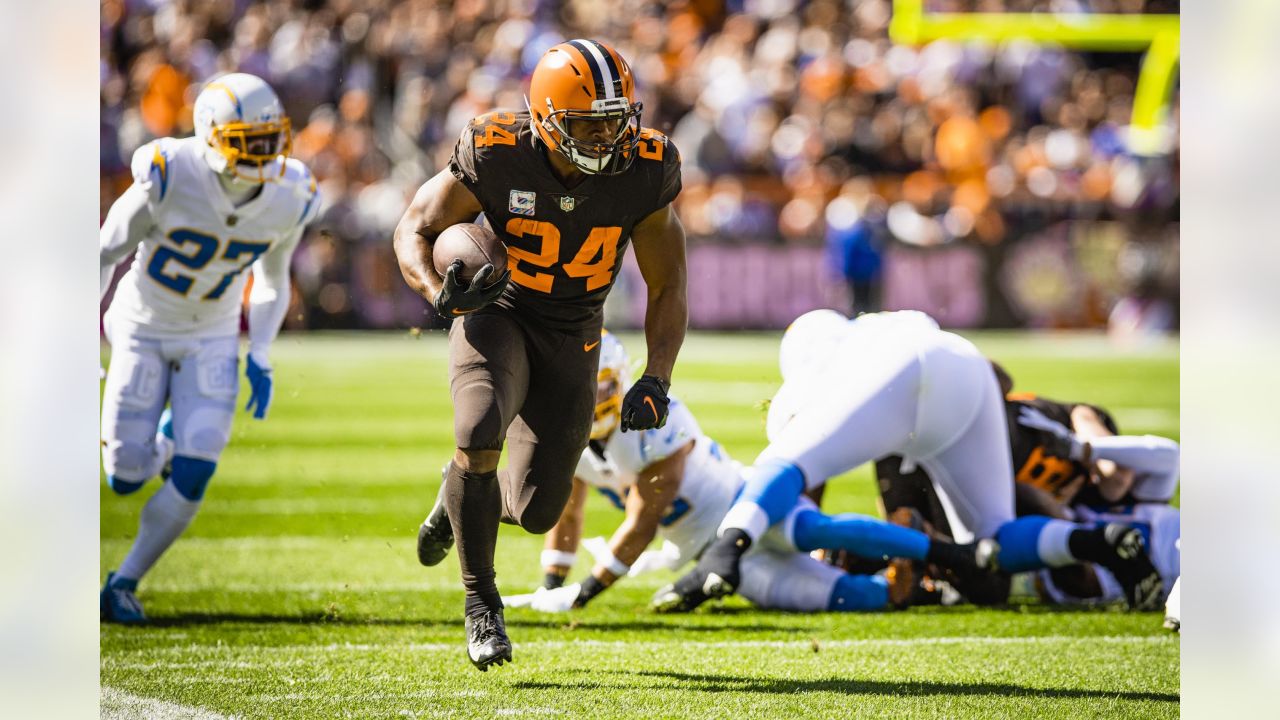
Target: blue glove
<point>259,386</point>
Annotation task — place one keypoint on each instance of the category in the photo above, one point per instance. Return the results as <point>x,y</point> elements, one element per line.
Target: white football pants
<point>932,398</point>
<point>199,379</point>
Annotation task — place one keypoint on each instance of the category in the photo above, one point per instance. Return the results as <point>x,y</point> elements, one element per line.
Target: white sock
<point>746,516</point>
<point>1052,546</point>
<point>165,516</point>
<point>163,454</point>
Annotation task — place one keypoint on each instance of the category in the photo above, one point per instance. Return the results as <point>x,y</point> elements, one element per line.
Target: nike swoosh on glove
<point>457,298</point>
<point>645,406</point>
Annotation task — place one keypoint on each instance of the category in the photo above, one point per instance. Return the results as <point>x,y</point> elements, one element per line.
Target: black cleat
<point>435,535</point>
<point>716,575</point>
<point>487,642</point>
<point>1132,567</point>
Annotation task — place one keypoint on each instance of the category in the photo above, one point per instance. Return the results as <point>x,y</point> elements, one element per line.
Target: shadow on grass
<point>847,686</point>
<point>337,618</point>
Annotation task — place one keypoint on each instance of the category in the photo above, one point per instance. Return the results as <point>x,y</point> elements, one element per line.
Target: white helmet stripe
<point>597,58</point>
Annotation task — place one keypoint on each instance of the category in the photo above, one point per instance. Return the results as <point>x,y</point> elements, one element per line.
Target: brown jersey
<point>564,245</point>
<point>1032,463</point>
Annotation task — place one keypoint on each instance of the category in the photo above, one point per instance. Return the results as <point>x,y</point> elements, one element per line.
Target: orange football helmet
<point>582,101</point>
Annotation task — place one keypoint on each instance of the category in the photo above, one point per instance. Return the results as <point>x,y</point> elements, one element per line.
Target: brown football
<point>475,245</point>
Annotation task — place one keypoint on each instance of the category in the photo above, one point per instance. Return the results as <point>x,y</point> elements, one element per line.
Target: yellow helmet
<point>244,125</point>
<point>612,380</point>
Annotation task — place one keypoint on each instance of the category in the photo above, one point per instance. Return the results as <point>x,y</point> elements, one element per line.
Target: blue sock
<point>124,487</point>
<point>1019,544</point>
<point>774,486</point>
<point>861,535</point>
<point>191,475</point>
<point>859,592</point>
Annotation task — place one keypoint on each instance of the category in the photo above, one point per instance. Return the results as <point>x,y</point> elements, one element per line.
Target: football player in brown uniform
<point>1074,453</point>
<point>565,185</point>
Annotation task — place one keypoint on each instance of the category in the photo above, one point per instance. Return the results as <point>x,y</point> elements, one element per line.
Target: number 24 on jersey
<point>594,261</point>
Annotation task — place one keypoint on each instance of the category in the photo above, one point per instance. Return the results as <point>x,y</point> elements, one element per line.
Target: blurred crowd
<point>800,123</point>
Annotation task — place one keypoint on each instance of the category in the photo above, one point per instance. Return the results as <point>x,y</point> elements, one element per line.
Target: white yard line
<point>117,704</point>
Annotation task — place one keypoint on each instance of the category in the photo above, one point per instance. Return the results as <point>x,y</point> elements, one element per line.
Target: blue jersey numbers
<point>235,250</point>
<point>190,249</point>
<point>193,250</point>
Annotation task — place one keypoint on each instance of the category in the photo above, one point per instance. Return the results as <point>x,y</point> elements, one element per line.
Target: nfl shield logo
<point>566,203</point>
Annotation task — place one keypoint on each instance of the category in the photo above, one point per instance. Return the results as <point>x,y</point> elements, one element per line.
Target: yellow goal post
<point>1158,35</point>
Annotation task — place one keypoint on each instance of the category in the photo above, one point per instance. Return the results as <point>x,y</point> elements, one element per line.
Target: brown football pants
<point>532,389</point>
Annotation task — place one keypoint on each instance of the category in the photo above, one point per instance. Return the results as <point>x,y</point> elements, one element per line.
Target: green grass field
<point>296,593</point>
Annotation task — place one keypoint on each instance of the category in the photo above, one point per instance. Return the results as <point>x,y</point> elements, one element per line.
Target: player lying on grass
<point>677,483</point>
<point>894,383</point>
<point>1071,464</point>
<point>201,211</point>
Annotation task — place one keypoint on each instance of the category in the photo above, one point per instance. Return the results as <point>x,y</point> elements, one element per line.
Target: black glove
<point>453,299</point>
<point>645,406</point>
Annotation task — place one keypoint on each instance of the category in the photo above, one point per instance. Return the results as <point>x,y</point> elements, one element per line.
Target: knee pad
<point>191,476</point>
<point>124,487</point>
<point>538,523</point>
<point>542,514</point>
<point>133,460</point>
<point>477,419</point>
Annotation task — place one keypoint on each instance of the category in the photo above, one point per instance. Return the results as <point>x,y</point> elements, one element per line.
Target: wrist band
<point>607,561</point>
<point>557,558</point>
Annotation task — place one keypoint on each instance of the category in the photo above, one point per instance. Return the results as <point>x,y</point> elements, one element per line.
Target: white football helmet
<point>612,379</point>
<point>241,120</point>
<point>809,339</point>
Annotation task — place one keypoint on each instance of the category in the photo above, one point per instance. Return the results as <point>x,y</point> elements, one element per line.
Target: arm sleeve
<point>127,223</point>
<point>1153,458</point>
<point>269,298</point>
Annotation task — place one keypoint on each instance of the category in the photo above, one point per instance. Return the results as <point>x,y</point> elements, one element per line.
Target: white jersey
<point>188,275</point>
<point>711,478</point>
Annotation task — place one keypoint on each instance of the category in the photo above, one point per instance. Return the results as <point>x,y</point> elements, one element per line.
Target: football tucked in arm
<point>475,245</point>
